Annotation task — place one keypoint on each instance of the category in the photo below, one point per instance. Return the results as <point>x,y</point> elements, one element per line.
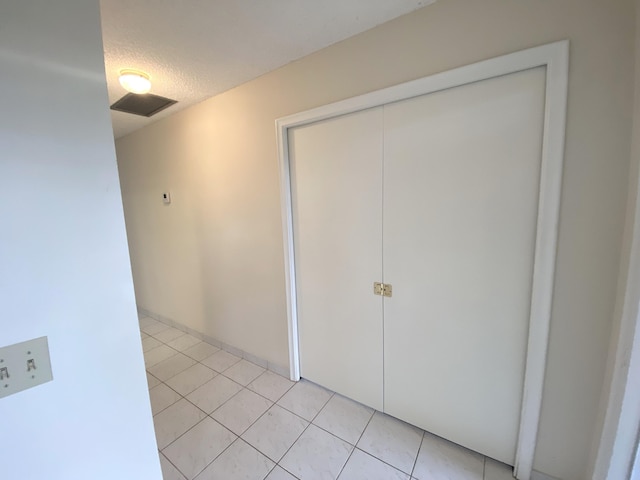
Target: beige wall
<point>213,259</point>
<point>618,427</point>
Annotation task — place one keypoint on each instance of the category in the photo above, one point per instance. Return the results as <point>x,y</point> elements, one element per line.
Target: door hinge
<point>383,289</point>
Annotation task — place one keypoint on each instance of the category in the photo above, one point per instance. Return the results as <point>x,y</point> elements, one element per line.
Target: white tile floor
<point>220,417</point>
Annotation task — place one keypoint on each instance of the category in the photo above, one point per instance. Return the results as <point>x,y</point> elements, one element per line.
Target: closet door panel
<point>336,182</point>
<point>461,187</point>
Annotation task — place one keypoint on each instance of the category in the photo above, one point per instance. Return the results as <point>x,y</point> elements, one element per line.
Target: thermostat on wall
<point>166,198</point>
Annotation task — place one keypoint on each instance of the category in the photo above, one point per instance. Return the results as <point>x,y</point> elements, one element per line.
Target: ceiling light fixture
<point>135,81</point>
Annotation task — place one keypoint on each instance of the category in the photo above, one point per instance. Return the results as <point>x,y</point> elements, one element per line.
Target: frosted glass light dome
<point>135,81</point>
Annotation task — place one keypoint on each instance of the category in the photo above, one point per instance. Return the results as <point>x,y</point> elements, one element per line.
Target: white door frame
<point>553,56</point>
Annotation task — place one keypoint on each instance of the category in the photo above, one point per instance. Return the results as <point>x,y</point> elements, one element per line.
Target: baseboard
<point>275,368</point>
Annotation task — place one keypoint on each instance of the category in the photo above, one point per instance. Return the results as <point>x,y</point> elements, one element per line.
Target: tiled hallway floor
<point>218,416</point>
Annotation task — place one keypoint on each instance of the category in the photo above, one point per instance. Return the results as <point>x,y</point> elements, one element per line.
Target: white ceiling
<point>197,49</point>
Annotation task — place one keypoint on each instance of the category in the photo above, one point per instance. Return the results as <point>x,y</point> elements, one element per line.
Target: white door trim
<point>555,57</point>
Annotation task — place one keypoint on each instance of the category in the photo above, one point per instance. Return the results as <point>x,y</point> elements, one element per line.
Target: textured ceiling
<point>200,48</point>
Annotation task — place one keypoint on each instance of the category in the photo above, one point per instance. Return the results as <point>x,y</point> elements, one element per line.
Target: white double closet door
<point>438,196</point>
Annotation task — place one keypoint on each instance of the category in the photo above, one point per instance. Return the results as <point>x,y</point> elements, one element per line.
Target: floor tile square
<point>171,366</point>
<point>157,355</point>
<point>239,462</point>
<point>316,455</point>
<point>169,472</point>
<point>175,420</point>
<point>305,399</point>
<point>149,343</point>
<point>239,413</point>
<point>193,377</point>
<point>220,361</point>
<point>392,441</point>
<point>183,342</point>
<point>362,466</point>
<point>279,473</point>
<point>494,470</point>
<point>152,381</point>
<point>244,372</point>
<point>143,335</point>
<point>271,385</point>
<point>440,459</point>
<point>197,448</point>
<point>344,418</point>
<point>154,328</point>
<point>168,334</point>
<point>161,397</point>
<point>214,393</point>
<point>275,432</point>
<point>200,351</point>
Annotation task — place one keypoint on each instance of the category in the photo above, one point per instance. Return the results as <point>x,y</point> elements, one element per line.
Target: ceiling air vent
<point>146,104</point>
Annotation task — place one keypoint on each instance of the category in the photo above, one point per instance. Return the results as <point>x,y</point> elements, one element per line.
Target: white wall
<point>64,264</point>
<point>213,259</point>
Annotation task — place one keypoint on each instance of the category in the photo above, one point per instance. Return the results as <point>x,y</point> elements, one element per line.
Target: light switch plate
<point>24,365</point>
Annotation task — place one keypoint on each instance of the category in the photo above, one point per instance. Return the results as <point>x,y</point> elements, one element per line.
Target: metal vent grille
<point>145,105</point>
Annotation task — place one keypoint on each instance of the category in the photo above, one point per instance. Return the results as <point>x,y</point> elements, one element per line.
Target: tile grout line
<point>169,323</point>
<point>208,415</point>
<point>383,461</point>
<point>283,468</point>
<point>415,462</point>
<point>301,433</point>
<point>262,415</point>
<point>242,387</point>
<point>241,358</point>
<point>272,404</point>
<point>191,428</point>
<point>161,451</point>
<point>371,454</point>
<point>217,456</point>
<point>280,397</point>
<point>275,464</point>
<point>182,397</point>
<point>173,464</point>
<point>162,344</point>
<point>263,372</point>
<point>159,412</point>
<point>240,436</point>
<point>247,386</point>
<point>355,446</point>
<point>208,367</point>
